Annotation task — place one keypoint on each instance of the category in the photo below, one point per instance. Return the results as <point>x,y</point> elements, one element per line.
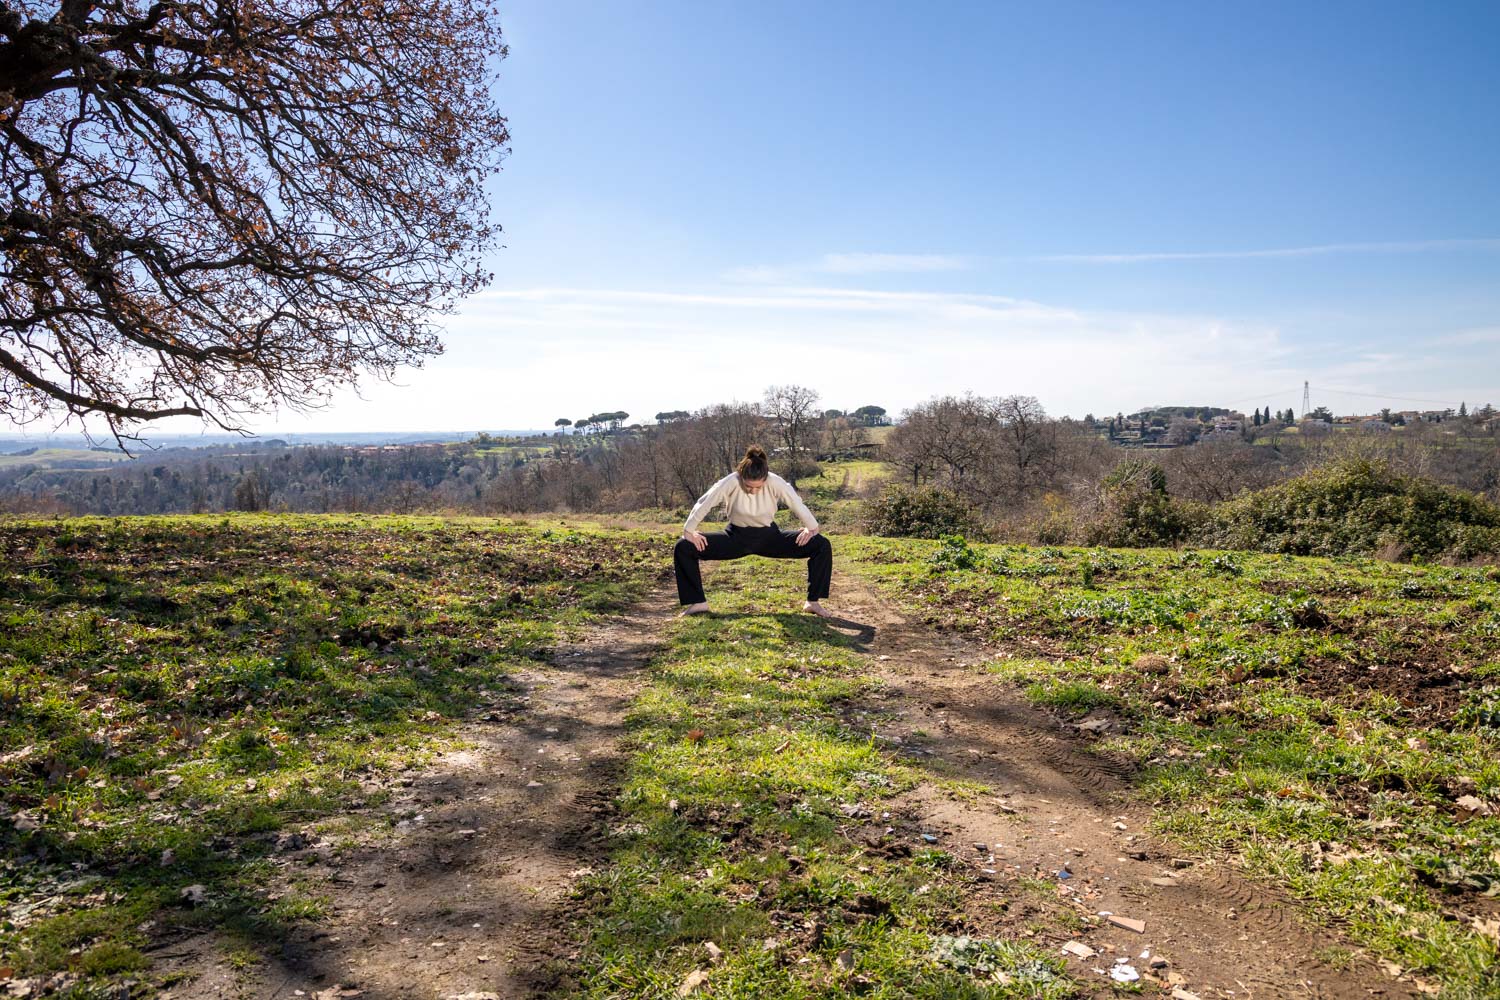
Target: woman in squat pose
<point>750,494</point>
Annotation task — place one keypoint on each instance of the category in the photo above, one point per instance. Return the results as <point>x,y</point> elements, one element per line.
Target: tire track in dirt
<point>1058,806</point>
<point>467,894</point>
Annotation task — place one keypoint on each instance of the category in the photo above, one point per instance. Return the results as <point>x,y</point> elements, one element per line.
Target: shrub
<point>903,511</point>
<point>1139,511</point>
<point>1356,507</point>
<point>796,467</point>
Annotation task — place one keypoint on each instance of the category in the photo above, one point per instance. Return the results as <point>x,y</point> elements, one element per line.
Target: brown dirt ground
<point>468,896</point>
<point>1051,803</point>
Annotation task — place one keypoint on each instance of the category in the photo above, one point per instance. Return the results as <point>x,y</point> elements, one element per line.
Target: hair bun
<point>754,467</point>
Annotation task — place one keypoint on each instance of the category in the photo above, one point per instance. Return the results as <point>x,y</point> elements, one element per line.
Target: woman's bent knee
<point>684,548</point>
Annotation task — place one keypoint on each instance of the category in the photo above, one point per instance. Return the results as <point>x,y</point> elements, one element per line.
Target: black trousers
<point>736,541</point>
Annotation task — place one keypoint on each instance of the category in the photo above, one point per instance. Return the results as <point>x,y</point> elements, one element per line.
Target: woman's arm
<point>707,502</point>
<point>788,496</point>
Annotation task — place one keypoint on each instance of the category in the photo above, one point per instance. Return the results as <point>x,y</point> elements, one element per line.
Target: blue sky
<point>1106,205</point>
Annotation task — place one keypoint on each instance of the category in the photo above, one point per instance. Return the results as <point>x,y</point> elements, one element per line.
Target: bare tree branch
<point>236,203</point>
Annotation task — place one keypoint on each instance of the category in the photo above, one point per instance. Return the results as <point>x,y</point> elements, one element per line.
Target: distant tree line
<point>1026,474</point>
<point>606,466</point>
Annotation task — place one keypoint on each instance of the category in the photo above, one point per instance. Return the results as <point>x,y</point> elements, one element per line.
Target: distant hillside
<point>12,444</point>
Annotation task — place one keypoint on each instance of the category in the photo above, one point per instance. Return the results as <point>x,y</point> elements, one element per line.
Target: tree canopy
<point>213,208</point>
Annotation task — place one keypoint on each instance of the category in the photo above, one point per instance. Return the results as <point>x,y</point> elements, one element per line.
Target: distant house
<point>1226,426</point>
<point>1374,424</point>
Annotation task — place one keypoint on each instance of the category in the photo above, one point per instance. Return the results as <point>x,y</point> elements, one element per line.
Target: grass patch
<point>178,691</point>
<point>1329,722</point>
<point>751,819</point>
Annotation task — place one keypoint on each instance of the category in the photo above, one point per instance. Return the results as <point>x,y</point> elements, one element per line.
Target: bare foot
<point>814,608</point>
<point>695,609</point>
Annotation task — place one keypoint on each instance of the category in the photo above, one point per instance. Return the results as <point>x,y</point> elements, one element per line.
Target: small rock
<point>846,959</point>
<point>690,985</point>
<point>194,895</point>
<point>533,784</point>
<point>1128,923</point>
<point>1180,863</point>
<point>1166,882</point>
<point>291,842</point>
<point>1094,725</point>
<point>168,857</point>
<point>715,953</point>
<point>1080,949</point>
<point>1178,993</point>
<point>929,838</point>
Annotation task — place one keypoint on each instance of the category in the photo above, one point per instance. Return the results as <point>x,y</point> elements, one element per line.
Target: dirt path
<point>467,896</point>
<point>1057,806</point>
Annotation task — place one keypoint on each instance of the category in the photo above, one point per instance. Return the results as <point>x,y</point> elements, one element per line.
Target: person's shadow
<point>836,631</point>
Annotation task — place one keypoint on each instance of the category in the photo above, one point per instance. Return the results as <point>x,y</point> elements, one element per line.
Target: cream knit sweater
<point>750,510</point>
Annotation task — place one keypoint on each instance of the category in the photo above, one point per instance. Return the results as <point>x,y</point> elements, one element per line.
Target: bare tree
<point>729,428</point>
<point>948,439</point>
<point>840,434</point>
<point>1218,468</point>
<point>1183,430</point>
<point>214,208</point>
<point>1028,444</point>
<point>793,410</point>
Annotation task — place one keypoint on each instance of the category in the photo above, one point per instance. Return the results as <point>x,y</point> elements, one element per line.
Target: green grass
<point>1322,720</point>
<point>64,458</point>
<point>177,691</point>
<point>836,494</point>
<point>735,829</point>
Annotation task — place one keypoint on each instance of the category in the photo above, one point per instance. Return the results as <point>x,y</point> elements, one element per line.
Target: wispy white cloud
<point>646,350</point>
<point>1480,335</point>
<point>852,263</point>
<point>525,356</point>
<point>884,263</point>
<point>1325,249</point>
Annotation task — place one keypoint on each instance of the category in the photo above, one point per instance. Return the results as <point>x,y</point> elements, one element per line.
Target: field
<point>1331,724</point>
<point>64,458</point>
<point>181,692</point>
<point>406,756</point>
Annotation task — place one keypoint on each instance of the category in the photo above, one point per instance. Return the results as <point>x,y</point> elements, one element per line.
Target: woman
<point>750,494</point>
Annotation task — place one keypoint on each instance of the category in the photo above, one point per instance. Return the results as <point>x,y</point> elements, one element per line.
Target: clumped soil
<point>1429,687</point>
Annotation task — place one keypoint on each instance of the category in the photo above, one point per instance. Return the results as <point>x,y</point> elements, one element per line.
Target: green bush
<point>903,511</point>
<point>1138,510</point>
<point>1356,507</point>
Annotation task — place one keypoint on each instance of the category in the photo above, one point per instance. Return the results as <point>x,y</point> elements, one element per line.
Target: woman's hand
<point>699,539</point>
<point>806,535</point>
